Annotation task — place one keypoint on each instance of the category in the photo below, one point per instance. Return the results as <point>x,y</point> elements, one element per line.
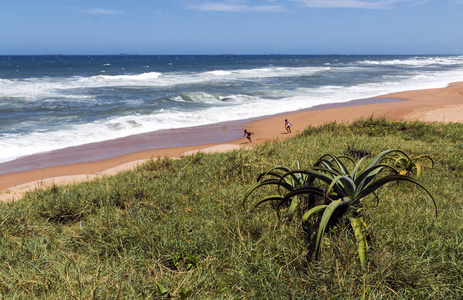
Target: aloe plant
<point>289,183</point>
<point>409,165</point>
<point>343,191</point>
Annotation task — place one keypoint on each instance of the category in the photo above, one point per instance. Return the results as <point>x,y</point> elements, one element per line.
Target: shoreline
<point>429,105</point>
<point>210,134</point>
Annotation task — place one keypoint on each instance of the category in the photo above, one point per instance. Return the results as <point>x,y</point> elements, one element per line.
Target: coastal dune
<point>430,105</point>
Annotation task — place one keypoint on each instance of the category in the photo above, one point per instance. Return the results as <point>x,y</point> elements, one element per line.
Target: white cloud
<point>421,3</point>
<point>218,6</point>
<point>368,4</point>
<point>269,8</point>
<point>102,11</point>
<point>242,6</point>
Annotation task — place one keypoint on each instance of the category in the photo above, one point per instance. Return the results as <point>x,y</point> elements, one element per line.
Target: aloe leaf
<point>325,164</point>
<point>324,222</point>
<point>391,178</point>
<point>294,204</point>
<point>341,166</point>
<point>294,180</point>
<point>273,173</point>
<point>418,170</point>
<point>328,164</point>
<point>268,198</point>
<point>338,163</point>
<point>297,177</point>
<point>305,190</point>
<point>346,184</point>
<point>348,158</point>
<point>400,163</point>
<point>313,211</point>
<point>308,172</point>
<point>383,155</point>
<point>322,159</point>
<point>423,156</point>
<point>357,167</point>
<point>277,182</point>
<point>332,172</point>
<point>411,163</point>
<point>359,228</point>
<point>318,175</point>
<point>432,161</point>
<point>297,192</point>
<point>367,175</point>
<point>269,173</point>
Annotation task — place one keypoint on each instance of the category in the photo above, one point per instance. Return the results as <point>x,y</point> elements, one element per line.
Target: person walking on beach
<point>247,134</point>
<point>287,126</point>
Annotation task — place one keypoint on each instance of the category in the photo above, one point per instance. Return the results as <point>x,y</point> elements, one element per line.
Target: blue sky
<point>231,26</point>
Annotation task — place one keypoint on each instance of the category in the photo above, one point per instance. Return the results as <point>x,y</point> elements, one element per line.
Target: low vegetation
<point>332,195</point>
<point>178,229</point>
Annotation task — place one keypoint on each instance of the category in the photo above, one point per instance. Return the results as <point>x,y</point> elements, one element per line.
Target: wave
<point>153,79</point>
<point>418,61</point>
<point>76,87</point>
<point>116,79</point>
<point>38,88</point>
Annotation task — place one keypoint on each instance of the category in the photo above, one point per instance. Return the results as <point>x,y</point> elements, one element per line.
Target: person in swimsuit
<point>247,134</point>
<point>287,126</point>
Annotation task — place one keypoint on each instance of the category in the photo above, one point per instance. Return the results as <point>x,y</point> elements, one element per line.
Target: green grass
<point>177,228</point>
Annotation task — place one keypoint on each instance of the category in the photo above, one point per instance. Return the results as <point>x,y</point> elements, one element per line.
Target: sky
<point>34,27</point>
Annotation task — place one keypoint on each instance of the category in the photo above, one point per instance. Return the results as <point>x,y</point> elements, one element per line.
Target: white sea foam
<point>38,88</point>
<point>418,61</point>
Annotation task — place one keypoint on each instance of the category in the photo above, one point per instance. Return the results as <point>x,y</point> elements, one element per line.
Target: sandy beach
<point>70,165</point>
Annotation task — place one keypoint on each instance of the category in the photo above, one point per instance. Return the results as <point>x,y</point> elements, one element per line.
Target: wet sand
<point>79,163</point>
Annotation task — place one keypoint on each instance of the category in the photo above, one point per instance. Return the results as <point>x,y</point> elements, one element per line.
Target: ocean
<point>53,102</point>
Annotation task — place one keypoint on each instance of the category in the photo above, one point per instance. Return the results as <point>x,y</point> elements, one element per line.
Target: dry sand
<point>430,105</point>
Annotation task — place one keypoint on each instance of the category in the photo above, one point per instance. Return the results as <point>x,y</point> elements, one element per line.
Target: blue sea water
<point>54,101</point>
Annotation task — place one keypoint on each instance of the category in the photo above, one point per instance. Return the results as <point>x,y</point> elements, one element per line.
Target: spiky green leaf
<point>313,211</point>
<point>333,163</point>
<point>373,186</point>
<point>294,204</point>
<point>299,192</point>
<point>359,228</point>
<point>329,210</point>
<point>266,182</point>
<point>381,156</point>
<point>267,199</point>
<point>345,184</point>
